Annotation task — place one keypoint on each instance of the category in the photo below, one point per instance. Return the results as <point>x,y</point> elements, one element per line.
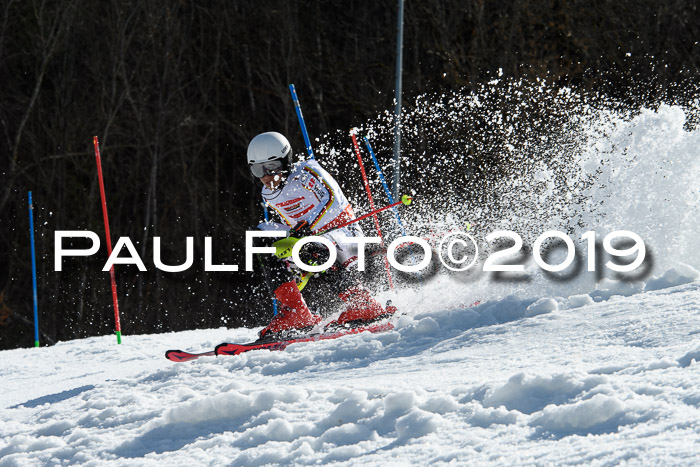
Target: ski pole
<point>297,107</point>
<point>288,242</point>
<point>117,325</point>
<point>284,245</point>
<point>384,184</point>
<point>371,202</point>
<point>267,218</point>
<point>405,200</point>
<point>36,300</point>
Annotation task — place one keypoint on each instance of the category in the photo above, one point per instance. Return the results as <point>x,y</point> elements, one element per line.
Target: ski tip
<point>217,349</point>
<point>181,356</point>
<point>172,355</point>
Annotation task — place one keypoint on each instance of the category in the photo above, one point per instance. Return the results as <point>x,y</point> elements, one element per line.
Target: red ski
<point>236,349</point>
<point>182,356</point>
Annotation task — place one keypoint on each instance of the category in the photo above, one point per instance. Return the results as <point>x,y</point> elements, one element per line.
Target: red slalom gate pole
<point>117,325</point>
<point>371,202</point>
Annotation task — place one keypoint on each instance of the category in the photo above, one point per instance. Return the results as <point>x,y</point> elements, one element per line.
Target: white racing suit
<point>311,194</point>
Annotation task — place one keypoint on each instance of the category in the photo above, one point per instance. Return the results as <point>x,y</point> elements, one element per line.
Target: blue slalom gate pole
<point>36,300</point>
<point>384,184</point>
<point>297,107</point>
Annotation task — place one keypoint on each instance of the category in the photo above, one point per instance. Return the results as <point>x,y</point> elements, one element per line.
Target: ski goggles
<point>260,169</point>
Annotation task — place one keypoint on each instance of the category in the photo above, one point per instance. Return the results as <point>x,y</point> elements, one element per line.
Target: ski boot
<point>292,314</point>
<point>361,308</point>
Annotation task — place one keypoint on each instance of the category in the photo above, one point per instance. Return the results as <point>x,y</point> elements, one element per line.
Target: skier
<point>308,200</point>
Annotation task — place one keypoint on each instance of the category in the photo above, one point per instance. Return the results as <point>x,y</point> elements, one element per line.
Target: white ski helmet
<point>269,153</point>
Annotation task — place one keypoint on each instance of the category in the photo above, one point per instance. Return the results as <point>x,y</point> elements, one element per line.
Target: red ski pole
<point>405,199</point>
<point>117,325</point>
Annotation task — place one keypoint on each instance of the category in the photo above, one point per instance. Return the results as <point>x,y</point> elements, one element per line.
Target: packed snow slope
<point>512,382</point>
<point>593,369</point>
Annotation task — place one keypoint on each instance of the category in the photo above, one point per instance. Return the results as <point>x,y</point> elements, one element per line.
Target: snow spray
<point>558,160</point>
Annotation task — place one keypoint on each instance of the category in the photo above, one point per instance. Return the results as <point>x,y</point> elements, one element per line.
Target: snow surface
<point>511,381</point>
<point>591,370</point>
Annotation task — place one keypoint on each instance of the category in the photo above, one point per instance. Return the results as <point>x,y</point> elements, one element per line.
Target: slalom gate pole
<point>387,191</point>
<point>371,202</point>
<point>267,218</point>
<point>384,184</point>
<point>117,325</point>
<point>397,99</point>
<point>366,183</point>
<point>36,300</point>
<point>297,107</point>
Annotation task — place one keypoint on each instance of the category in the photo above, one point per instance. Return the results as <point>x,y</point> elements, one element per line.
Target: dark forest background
<point>176,89</point>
